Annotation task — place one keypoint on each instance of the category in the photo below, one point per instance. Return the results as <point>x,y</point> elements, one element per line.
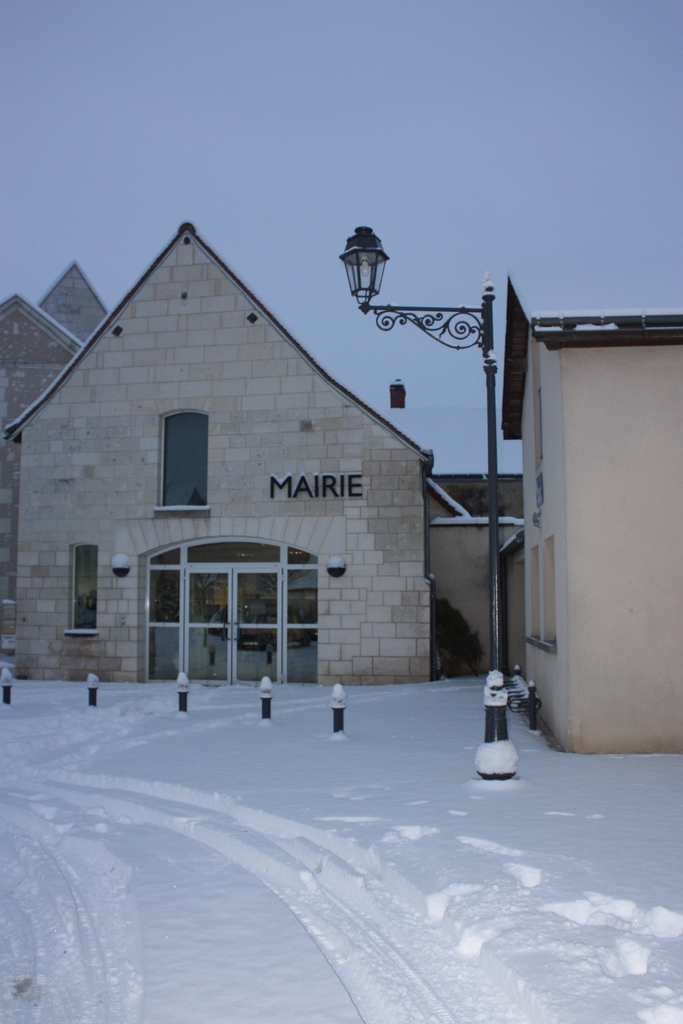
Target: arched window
<point>186,436</point>
<point>85,587</point>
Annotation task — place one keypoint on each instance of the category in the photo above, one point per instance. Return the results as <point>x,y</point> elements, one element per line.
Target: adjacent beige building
<point>198,494</point>
<point>597,399</point>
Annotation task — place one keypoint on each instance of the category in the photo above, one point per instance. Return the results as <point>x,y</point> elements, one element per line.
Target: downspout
<point>504,614</point>
<point>427,468</point>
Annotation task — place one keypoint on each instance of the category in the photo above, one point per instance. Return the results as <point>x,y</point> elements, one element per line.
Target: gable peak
<point>73,302</point>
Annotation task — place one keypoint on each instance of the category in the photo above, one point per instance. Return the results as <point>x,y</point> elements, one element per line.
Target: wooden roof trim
<point>600,338</point>
<point>514,365</point>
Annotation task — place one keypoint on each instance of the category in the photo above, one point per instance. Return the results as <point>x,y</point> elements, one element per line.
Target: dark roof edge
<point>22,421</point>
<point>515,365</point>
<point>594,336</point>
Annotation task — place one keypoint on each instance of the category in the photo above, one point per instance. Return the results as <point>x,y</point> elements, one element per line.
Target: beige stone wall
<point>624,472</point>
<point>91,474</point>
<point>543,449</point>
<point>613,482</point>
<point>30,358</point>
<point>460,563</point>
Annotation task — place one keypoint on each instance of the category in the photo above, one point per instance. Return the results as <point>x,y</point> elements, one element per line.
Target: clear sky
<point>536,137</point>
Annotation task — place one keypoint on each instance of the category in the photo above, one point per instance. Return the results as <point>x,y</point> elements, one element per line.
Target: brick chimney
<point>397,395</point>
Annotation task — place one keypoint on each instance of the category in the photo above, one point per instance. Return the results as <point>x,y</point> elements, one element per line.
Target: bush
<point>459,646</point>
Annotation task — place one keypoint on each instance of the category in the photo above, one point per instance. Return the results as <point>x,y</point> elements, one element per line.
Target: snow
<point>451,503</point>
<point>497,758</point>
<point>338,696</point>
<point>184,868</point>
<point>473,521</point>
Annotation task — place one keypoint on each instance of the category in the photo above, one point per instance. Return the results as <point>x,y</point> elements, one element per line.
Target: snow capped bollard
<point>6,678</point>
<point>93,682</point>
<point>183,686</point>
<point>497,756</point>
<point>533,706</point>
<point>338,704</point>
<point>266,692</point>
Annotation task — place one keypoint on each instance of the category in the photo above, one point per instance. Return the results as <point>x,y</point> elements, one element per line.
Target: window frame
<point>75,626</point>
<point>163,453</point>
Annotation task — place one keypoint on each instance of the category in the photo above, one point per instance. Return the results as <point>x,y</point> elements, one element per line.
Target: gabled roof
<point>601,328</point>
<point>515,365</point>
<point>29,414</point>
<point>445,500</point>
<point>73,302</point>
<point>42,320</point>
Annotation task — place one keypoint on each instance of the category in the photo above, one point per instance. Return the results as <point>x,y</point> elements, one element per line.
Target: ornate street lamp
<point>456,327</point>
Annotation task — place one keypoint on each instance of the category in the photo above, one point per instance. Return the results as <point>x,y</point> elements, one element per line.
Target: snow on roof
<point>44,319</point>
<point>446,499</point>
<point>458,438</point>
<point>590,319</point>
<point>606,313</point>
<point>513,541</point>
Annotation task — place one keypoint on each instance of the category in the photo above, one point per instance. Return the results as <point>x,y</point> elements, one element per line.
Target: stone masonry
<point>91,475</point>
<point>72,302</point>
<point>33,350</point>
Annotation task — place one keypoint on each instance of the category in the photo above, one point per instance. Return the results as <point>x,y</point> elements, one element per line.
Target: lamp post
<point>456,327</point>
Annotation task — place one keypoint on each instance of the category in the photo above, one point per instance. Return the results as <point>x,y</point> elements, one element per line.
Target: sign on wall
<point>318,485</point>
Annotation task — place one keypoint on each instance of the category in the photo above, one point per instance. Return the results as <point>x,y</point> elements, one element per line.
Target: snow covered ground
<point>172,868</point>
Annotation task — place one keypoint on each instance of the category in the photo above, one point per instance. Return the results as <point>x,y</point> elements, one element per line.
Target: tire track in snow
<point>63,965</point>
<point>363,920</point>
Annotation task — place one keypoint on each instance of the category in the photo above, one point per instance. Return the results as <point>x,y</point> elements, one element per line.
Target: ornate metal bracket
<point>458,328</point>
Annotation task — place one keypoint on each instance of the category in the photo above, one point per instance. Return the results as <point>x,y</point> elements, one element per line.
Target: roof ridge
<point>187,228</point>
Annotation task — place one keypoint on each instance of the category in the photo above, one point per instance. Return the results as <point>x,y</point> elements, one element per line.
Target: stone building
<point>596,400</point>
<point>198,494</point>
<point>73,302</point>
<point>458,534</point>
<point>36,343</point>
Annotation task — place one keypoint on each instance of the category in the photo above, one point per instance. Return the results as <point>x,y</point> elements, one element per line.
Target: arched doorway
<point>232,611</point>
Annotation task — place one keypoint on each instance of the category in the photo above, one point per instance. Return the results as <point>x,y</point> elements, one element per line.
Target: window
<point>85,587</point>
<point>538,409</point>
<point>534,590</point>
<point>549,626</point>
<point>186,436</point>
<point>302,621</point>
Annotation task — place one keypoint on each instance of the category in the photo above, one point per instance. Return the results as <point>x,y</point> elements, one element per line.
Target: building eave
<point>620,337</point>
<point>514,366</point>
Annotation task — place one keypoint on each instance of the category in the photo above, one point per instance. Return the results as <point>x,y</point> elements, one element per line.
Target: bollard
<point>496,723</point>
<point>6,678</point>
<point>496,758</point>
<point>338,704</point>
<point>93,682</point>
<point>183,687</point>
<point>266,691</point>
<point>532,706</point>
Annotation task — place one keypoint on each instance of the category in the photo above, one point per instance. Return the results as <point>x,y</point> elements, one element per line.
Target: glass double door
<point>231,623</point>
